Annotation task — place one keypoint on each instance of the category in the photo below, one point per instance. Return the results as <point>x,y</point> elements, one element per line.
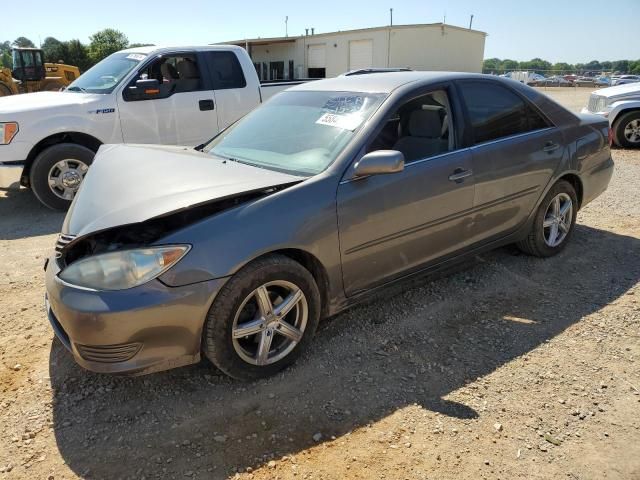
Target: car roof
<point>186,48</point>
<point>384,82</point>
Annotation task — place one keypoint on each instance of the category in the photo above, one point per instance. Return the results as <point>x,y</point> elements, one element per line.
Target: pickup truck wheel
<point>626,130</point>
<point>57,172</point>
<point>262,319</point>
<point>553,223</point>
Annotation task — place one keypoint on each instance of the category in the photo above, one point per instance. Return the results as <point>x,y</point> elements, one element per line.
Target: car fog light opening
<point>123,269</point>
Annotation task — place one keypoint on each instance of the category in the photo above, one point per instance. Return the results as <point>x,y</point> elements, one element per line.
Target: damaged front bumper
<point>141,330</point>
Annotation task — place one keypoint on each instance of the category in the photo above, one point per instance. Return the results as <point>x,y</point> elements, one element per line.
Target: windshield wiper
<point>76,88</point>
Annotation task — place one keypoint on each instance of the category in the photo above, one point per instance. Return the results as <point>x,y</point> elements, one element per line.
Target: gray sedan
<point>318,199</point>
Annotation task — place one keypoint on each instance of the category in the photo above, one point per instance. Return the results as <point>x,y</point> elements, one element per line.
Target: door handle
<point>459,174</point>
<point>550,147</point>
<point>206,105</point>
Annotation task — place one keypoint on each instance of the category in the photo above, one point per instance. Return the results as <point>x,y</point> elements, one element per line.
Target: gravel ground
<point>511,367</point>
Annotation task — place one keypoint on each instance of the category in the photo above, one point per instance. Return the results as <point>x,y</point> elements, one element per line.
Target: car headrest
<point>169,71</point>
<point>425,123</point>
<point>187,70</point>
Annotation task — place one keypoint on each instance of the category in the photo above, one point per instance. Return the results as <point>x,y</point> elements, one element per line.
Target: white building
<point>434,46</point>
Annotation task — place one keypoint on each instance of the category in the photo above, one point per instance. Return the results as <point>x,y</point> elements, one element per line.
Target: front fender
<point>622,106</point>
<point>301,217</point>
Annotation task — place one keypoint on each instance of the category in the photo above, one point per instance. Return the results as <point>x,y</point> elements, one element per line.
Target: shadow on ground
<point>416,345</point>
<point>23,216</point>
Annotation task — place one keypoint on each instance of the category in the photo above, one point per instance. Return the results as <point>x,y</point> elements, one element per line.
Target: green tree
<point>23,42</point>
<point>634,67</point>
<point>537,65</point>
<point>78,55</point>
<point>509,65</point>
<point>562,68</point>
<point>621,66</point>
<point>606,65</point>
<point>134,45</point>
<point>491,65</point>
<point>54,50</point>
<point>6,60</point>
<point>105,42</point>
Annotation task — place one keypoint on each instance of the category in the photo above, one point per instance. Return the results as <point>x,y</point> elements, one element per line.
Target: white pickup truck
<point>171,96</point>
<point>621,106</point>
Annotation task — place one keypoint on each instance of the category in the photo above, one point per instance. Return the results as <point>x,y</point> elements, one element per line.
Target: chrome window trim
<point>510,137</point>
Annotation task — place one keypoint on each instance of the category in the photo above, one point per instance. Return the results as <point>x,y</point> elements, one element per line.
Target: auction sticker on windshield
<point>346,122</point>
<point>136,56</point>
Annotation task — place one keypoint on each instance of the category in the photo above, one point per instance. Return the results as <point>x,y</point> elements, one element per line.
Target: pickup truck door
<point>184,110</point>
<point>233,98</point>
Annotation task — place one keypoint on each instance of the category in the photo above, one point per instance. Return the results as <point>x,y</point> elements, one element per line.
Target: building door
<point>360,54</point>
<point>277,70</point>
<point>317,61</point>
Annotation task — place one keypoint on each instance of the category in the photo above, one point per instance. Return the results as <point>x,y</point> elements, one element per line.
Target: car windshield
<point>107,74</point>
<point>297,132</point>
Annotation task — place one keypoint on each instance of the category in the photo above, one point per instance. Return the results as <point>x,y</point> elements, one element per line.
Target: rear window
<point>225,70</point>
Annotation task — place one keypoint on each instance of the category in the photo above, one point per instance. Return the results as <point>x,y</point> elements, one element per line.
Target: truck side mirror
<point>145,89</point>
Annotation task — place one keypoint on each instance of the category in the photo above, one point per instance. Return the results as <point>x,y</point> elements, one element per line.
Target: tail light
<point>610,137</point>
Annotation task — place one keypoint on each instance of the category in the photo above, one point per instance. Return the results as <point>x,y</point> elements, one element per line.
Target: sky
<point>556,30</point>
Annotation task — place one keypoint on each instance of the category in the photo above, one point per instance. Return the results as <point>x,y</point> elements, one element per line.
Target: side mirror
<point>379,162</point>
<point>145,89</point>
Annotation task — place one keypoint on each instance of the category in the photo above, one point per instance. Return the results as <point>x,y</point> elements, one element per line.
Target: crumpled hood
<point>27,102</point>
<point>132,183</point>
<point>628,90</point>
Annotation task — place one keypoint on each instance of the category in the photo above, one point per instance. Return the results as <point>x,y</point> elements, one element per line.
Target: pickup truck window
<point>107,74</point>
<point>175,74</point>
<point>225,70</point>
<point>297,132</point>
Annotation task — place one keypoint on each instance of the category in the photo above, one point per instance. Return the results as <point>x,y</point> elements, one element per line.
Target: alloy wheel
<point>270,323</point>
<point>557,220</point>
<point>66,176</point>
<point>632,131</point>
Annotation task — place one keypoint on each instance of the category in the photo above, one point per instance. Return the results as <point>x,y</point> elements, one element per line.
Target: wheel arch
<point>313,265</point>
<point>79,138</point>
<point>576,182</point>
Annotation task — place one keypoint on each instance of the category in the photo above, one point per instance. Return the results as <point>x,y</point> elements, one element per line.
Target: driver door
<point>182,113</point>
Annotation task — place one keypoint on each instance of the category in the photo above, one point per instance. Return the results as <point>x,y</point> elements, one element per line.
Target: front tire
<point>626,130</point>
<point>553,223</point>
<point>262,319</point>
<point>57,172</point>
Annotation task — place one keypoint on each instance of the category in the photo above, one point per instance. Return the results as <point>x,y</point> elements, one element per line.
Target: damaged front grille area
<point>61,242</point>
<point>145,233</point>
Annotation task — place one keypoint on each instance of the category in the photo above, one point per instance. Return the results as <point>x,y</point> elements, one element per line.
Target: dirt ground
<point>512,367</point>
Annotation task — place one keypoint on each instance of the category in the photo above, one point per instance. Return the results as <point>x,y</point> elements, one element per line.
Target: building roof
<point>379,82</point>
<point>293,38</point>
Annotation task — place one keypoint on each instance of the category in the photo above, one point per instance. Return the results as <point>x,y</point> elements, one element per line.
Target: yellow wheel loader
<point>31,74</point>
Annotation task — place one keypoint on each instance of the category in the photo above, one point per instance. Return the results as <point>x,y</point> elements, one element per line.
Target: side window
<point>496,112</point>
<point>225,69</point>
<point>175,74</point>
<point>536,121</point>
<point>420,128</point>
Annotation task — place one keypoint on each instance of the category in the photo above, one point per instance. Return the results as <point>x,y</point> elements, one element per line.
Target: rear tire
<point>551,230</point>
<point>236,330</point>
<point>626,130</point>
<point>57,172</point>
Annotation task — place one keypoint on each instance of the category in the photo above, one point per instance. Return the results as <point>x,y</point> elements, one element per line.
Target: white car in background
<point>621,105</point>
<point>625,79</point>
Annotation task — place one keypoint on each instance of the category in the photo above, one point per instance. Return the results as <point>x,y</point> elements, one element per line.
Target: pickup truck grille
<point>61,242</point>
<point>596,103</point>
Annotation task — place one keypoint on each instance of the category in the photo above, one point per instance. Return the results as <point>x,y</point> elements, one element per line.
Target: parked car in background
<point>312,202</point>
<point>555,81</point>
<point>621,106</point>
<point>175,96</point>
<point>624,79</point>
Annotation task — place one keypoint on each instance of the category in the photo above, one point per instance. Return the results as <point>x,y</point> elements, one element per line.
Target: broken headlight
<point>122,269</point>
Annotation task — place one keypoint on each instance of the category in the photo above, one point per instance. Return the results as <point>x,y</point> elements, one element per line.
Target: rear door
<point>515,151</point>
<point>182,113</point>
<point>233,98</point>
